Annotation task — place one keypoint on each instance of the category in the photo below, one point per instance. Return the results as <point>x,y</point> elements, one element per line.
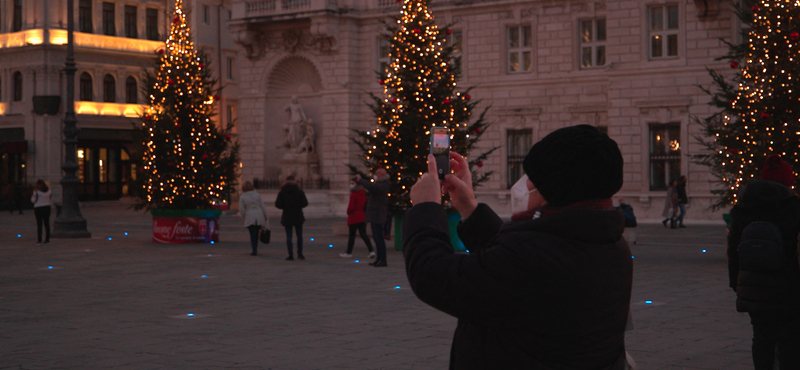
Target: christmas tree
<point>187,161</point>
<point>758,110</point>
<point>419,92</point>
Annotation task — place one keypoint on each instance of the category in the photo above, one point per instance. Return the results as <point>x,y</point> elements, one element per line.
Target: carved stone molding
<point>321,36</point>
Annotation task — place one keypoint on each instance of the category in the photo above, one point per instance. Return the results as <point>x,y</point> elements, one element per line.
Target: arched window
<point>109,89</point>
<point>17,86</point>
<point>131,91</point>
<point>86,93</point>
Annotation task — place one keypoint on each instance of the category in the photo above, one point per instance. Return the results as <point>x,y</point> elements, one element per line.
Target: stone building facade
<point>630,67</point>
<point>114,42</point>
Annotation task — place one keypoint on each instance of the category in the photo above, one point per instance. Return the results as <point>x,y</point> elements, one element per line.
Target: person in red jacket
<point>356,219</point>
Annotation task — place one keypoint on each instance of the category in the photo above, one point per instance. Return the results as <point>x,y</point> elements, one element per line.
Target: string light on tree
<point>187,161</point>
<point>419,91</point>
<point>758,114</point>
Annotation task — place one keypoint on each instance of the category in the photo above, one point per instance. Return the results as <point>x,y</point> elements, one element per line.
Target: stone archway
<point>292,76</point>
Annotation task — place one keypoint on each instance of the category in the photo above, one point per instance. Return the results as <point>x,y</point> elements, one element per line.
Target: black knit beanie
<point>574,164</point>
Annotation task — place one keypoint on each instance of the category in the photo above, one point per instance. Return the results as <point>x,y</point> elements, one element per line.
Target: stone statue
<point>307,143</point>
<point>293,130</point>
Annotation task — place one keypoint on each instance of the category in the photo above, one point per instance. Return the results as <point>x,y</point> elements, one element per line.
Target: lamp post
<point>70,223</point>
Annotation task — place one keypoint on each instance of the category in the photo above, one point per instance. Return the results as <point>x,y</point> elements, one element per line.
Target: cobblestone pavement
<point>122,302</point>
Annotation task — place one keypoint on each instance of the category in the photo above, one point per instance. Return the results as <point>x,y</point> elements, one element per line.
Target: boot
<point>672,224</point>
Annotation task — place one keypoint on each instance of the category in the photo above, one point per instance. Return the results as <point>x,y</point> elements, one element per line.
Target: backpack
<point>627,211</point>
<point>761,248</point>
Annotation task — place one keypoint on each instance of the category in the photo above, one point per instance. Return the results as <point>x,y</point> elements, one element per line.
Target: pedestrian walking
<point>770,296</point>
<point>252,208</point>
<point>671,205</point>
<point>682,200</point>
<point>41,209</point>
<point>549,290</point>
<point>356,219</point>
<point>291,199</point>
<point>377,208</point>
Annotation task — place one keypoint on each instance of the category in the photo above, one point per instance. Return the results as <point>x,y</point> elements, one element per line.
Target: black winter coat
<point>762,200</point>
<point>377,200</point>
<point>550,293</point>
<point>291,200</point>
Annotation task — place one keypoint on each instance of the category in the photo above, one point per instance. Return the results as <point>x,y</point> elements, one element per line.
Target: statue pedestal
<point>303,166</point>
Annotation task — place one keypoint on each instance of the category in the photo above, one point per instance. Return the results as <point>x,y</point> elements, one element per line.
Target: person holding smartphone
<point>377,208</point>
<point>549,290</point>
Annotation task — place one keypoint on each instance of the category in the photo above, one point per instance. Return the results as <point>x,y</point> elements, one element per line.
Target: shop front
<point>105,169</point>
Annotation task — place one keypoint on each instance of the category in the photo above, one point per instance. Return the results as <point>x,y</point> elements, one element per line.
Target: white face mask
<point>520,195</point>
<point>352,186</point>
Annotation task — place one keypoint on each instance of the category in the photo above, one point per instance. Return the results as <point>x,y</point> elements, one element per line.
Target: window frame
<point>85,87</point>
<point>514,170</point>
<point>384,60</point>
<point>17,86</point>
<point>206,14</point>
<point>665,33</point>
<point>85,24</point>
<point>671,159</point>
<point>109,23</point>
<point>151,24</point>
<point>131,90</point>
<point>131,24</point>
<point>457,57</point>
<point>109,89</point>
<point>229,69</point>
<point>594,44</point>
<point>519,50</point>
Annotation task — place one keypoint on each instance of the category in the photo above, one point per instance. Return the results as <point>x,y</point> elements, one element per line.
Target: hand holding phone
<point>440,149</point>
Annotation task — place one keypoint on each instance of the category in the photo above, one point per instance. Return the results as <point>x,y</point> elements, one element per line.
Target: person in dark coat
<point>377,208</point>
<point>549,290</point>
<point>291,199</point>
<point>19,198</point>
<point>682,200</point>
<point>772,300</point>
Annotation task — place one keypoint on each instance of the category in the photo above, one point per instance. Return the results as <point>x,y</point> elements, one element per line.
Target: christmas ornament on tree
<point>758,110</point>
<point>419,90</point>
<point>177,131</point>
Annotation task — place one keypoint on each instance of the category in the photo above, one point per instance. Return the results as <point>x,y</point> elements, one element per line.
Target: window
<point>85,16</point>
<point>230,68</point>
<point>520,53</point>
<point>593,43</point>
<point>86,93</point>
<point>663,31</point>
<point>384,48</point>
<point>131,91</point>
<point>455,41</point>
<point>230,117</point>
<point>108,20</point>
<point>17,86</point>
<point>206,14</point>
<point>665,155</point>
<point>151,20</point>
<point>518,145</point>
<point>109,89</point>
<point>17,22</point>
<point>130,22</point>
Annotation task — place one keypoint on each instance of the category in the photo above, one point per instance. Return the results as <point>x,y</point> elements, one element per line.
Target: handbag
<point>265,234</point>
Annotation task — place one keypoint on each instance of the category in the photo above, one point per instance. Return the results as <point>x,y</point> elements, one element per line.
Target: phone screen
<point>440,148</point>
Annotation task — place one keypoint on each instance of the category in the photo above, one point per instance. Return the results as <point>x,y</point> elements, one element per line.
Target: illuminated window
<point>384,48</point>
<point>520,52</point>
<point>17,86</point>
<point>131,91</point>
<point>85,16</point>
<point>109,89</point>
<point>664,28</point>
<point>665,154</point>
<point>17,21</point>
<point>151,20</point>
<point>518,142</point>
<point>86,93</point>
<point>593,43</point>
<point>109,28</point>
<point>130,22</point>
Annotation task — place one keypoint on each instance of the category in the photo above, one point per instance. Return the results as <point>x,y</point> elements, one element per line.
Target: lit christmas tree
<point>419,91</point>
<point>187,161</point>
<point>759,110</point>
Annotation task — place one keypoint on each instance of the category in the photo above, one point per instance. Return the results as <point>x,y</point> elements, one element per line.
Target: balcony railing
<point>259,8</point>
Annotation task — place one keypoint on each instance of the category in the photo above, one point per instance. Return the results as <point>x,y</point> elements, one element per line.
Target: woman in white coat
<point>252,208</point>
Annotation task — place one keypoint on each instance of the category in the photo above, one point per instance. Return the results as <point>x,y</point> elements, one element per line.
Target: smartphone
<point>440,148</point>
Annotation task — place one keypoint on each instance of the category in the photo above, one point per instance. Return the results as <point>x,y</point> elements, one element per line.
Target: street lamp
<point>70,223</point>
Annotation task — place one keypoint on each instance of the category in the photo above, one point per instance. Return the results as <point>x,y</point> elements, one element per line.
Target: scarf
<point>549,210</point>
